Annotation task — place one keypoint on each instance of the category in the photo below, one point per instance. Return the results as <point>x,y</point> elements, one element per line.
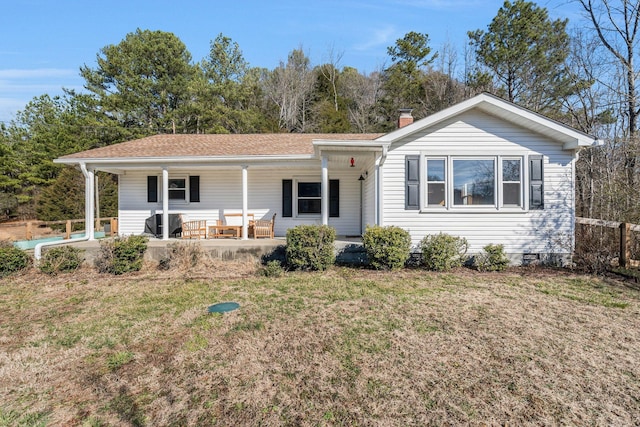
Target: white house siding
<point>476,133</point>
<point>221,191</point>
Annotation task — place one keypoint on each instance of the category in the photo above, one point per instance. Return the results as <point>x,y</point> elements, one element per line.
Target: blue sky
<point>43,43</point>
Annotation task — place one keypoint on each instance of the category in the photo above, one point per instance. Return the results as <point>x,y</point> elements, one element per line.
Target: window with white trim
<point>180,189</point>
<point>309,198</point>
<point>512,182</point>
<point>472,181</point>
<point>177,189</point>
<point>436,182</point>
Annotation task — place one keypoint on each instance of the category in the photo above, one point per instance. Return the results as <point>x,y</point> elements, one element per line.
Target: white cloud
<point>379,37</point>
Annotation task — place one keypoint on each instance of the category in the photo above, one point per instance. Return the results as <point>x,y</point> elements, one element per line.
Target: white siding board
<point>474,134</point>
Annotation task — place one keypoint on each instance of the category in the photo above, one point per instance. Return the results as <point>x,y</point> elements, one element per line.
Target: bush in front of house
<point>61,259</point>
<point>12,260</point>
<point>272,268</point>
<point>387,248</point>
<point>442,252</point>
<point>121,255</point>
<point>310,247</point>
<point>492,258</point>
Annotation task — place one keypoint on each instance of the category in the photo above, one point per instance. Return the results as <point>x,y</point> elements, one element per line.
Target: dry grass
<point>344,347</point>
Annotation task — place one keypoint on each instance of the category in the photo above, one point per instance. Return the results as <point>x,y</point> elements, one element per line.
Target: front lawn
<point>343,347</point>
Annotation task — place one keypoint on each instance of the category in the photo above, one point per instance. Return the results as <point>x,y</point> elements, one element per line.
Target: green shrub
<point>310,247</point>
<point>13,259</point>
<point>387,248</point>
<point>442,252</point>
<point>492,258</point>
<point>60,259</point>
<point>121,255</point>
<point>273,268</point>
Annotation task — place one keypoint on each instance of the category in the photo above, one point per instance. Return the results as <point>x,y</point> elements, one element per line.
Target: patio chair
<point>194,229</point>
<point>264,228</point>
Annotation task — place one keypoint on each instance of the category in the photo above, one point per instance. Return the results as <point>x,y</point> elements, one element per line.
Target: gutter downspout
<point>88,216</point>
<point>379,186</point>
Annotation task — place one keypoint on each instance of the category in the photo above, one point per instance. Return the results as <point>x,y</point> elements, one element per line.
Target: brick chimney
<point>405,117</point>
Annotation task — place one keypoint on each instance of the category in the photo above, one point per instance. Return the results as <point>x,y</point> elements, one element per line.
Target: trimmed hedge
<point>442,252</point>
<point>310,247</point>
<point>387,248</point>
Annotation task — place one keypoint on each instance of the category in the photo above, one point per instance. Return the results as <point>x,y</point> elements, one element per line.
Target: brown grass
<point>344,347</point>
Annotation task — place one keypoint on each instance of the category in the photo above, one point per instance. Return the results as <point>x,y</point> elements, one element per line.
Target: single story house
<point>484,169</point>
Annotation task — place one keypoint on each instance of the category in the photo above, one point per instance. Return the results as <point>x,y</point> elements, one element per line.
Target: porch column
<point>378,190</point>
<point>89,204</point>
<point>245,202</point>
<point>165,203</point>
<point>325,191</point>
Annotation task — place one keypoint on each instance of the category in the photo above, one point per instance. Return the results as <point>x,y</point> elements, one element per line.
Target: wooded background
<point>583,75</point>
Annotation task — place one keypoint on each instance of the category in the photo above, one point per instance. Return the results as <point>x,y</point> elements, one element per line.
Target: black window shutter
<point>334,198</point>
<point>536,183</point>
<point>152,189</point>
<point>412,182</point>
<point>194,188</point>
<point>287,198</point>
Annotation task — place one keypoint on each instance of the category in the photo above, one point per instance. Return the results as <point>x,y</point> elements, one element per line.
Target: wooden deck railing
<point>626,237</point>
<point>31,226</point>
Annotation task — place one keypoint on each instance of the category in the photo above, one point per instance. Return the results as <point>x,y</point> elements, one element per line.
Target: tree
<point>289,87</point>
<point>361,93</point>
<point>69,187</point>
<point>616,24</point>
<point>143,80</point>
<point>229,92</point>
<point>403,85</point>
<point>523,53</point>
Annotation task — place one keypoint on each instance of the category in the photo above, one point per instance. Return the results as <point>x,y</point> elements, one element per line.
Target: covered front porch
<point>339,186</point>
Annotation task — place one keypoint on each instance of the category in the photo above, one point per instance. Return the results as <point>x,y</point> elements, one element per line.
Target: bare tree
<point>363,93</point>
<point>330,71</point>
<point>289,87</point>
<point>616,24</point>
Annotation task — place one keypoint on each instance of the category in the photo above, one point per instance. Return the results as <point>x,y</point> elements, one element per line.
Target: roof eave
<point>182,159</point>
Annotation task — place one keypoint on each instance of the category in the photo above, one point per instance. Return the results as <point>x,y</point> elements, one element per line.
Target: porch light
<point>353,162</point>
<point>361,178</point>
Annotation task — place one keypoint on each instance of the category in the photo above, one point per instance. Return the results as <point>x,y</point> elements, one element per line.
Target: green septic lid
<point>223,307</point>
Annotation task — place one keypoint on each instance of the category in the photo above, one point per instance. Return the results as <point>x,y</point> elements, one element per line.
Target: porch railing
<point>31,228</point>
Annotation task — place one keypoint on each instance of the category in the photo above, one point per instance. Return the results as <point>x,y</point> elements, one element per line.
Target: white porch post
<point>325,190</point>
<point>378,190</point>
<point>89,204</point>
<point>245,202</point>
<point>165,203</point>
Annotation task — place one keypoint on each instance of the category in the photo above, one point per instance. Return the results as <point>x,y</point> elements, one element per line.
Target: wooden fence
<point>625,232</point>
<point>31,227</point>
